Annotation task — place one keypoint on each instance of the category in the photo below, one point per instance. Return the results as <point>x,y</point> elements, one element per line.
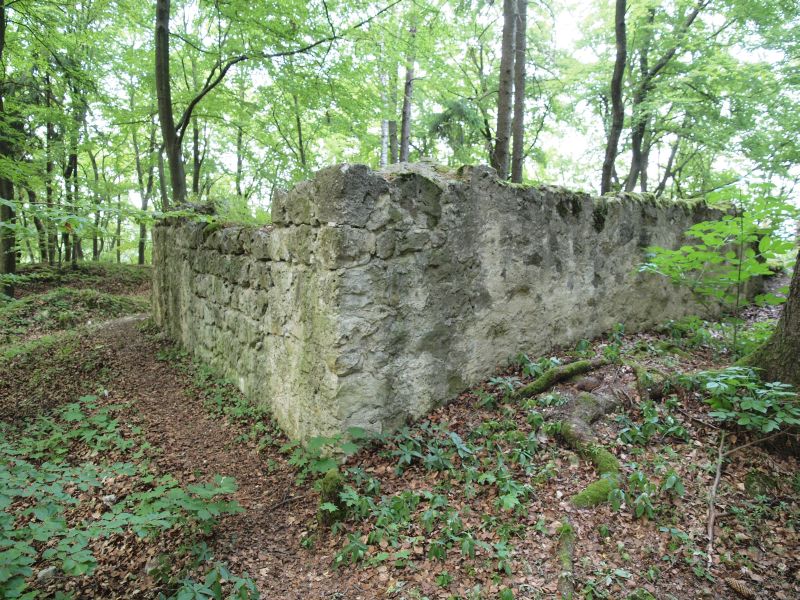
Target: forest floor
<point>472,502</point>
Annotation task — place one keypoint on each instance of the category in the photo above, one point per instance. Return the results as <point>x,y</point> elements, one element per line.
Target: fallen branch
<point>552,376</point>
<point>285,501</point>
<point>756,441</point>
<point>696,419</point>
<point>712,499</point>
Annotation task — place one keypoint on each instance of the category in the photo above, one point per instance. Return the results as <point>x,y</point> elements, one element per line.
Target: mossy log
<point>552,376</point>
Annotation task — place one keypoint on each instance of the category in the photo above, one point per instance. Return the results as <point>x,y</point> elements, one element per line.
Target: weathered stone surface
<point>374,296</point>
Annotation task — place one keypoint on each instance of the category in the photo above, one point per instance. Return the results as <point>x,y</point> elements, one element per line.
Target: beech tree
<point>779,357</point>
<point>8,251</point>
<point>617,108</point>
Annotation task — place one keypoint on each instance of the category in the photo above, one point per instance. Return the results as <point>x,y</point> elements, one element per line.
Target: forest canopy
<point>107,105</point>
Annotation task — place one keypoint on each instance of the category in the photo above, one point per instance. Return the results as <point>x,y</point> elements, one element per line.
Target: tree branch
<point>221,69</point>
<point>669,54</point>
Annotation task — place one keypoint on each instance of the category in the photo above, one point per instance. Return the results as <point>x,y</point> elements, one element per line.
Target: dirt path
<point>264,540</point>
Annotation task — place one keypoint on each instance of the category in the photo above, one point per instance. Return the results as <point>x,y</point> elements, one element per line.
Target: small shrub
<point>737,395</point>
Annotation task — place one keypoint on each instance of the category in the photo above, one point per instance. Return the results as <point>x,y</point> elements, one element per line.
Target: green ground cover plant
<point>54,461</point>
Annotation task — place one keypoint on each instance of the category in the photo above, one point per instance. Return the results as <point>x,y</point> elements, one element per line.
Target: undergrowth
<point>52,468</point>
<point>62,308</point>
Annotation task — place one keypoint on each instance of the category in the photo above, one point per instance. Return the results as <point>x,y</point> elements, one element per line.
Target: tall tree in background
<point>505,92</point>
<point>617,107</point>
<point>169,132</point>
<point>518,126</point>
<point>8,250</point>
<point>408,93</point>
<point>641,113</point>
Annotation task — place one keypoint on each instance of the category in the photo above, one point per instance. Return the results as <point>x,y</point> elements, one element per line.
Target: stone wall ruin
<point>374,296</point>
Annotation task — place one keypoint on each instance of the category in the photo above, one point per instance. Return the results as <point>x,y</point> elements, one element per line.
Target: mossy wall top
<point>374,296</point>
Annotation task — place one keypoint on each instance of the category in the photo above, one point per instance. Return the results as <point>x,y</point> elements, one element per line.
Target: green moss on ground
<point>330,488</point>
<point>605,462</point>
<point>594,494</point>
<point>552,376</point>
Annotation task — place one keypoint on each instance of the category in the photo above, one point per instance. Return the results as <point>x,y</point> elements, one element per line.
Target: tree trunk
<point>8,246</point>
<point>301,144</point>
<point>617,109</point>
<point>383,160</point>
<point>169,133</point>
<point>196,162</point>
<point>52,233</point>
<point>239,160</point>
<point>41,232</point>
<point>518,126</point>
<point>162,181</point>
<point>780,356</point>
<point>145,186</point>
<point>394,145</point>
<point>639,118</point>
<point>637,137</point>
<point>119,228</point>
<point>500,156</point>
<point>408,91</point>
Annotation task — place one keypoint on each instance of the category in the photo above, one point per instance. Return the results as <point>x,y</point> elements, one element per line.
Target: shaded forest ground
<point>473,502</point>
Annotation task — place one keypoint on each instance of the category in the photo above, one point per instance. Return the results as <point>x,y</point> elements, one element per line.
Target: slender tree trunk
<point>8,246</point>
<point>95,237</point>
<point>162,181</point>
<point>119,229</point>
<point>169,133</point>
<point>637,137</point>
<point>617,109</point>
<point>384,157</point>
<point>501,155</point>
<point>196,162</point>
<point>28,246</point>
<point>52,233</point>
<point>98,206</point>
<point>394,145</point>
<point>239,160</point>
<point>301,144</point>
<point>518,126</point>
<point>71,191</point>
<point>640,119</point>
<point>408,91</point>
<point>41,232</point>
<point>668,170</point>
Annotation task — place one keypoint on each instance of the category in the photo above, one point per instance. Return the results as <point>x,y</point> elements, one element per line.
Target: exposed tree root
<point>577,417</point>
<point>552,376</point>
<point>712,500</point>
<point>650,384</point>
<point>566,550</point>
